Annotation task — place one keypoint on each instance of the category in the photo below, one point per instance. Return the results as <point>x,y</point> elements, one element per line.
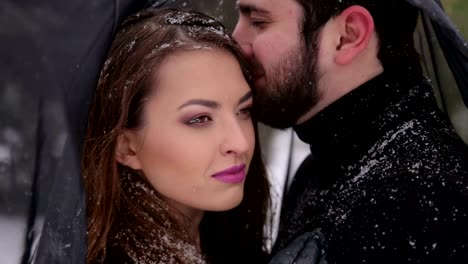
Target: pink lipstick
<point>235,174</point>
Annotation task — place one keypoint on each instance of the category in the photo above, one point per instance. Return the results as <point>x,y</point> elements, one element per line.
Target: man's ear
<point>356,27</point>
<point>126,149</point>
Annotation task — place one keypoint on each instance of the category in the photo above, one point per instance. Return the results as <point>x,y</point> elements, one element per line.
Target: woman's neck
<point>190,218</point>
<point>193,226</point>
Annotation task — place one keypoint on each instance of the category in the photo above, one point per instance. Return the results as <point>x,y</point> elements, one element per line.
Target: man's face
<point>269,32</point>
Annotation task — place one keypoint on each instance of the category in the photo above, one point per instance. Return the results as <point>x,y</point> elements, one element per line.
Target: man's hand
<point>306,249</point>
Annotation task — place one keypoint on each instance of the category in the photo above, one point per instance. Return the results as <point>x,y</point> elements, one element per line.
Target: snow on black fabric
<point>388,180</point>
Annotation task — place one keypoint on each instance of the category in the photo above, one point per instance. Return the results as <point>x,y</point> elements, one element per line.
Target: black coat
<point>388,179</point>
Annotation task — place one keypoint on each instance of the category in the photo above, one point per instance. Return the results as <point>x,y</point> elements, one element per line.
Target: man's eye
<point>199,120</point>
<point>257,23</point>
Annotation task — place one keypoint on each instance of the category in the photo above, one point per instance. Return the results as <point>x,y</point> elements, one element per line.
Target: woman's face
<point>197,139</point>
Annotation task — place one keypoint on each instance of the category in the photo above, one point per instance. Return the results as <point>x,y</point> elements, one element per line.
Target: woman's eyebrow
<point>246,97</point>
<point>203,102</point>
<point>213,104</point>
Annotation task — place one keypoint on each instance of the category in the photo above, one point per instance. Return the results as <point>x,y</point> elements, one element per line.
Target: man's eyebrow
<point>249,8</point>
<point>202,102</point>
<point>246,97</point>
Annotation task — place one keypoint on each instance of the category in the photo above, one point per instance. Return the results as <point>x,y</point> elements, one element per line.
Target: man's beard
<point>290,89</point>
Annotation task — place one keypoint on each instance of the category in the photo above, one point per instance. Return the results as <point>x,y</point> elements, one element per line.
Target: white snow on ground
<point>5,154</point>
<point>11,239</point>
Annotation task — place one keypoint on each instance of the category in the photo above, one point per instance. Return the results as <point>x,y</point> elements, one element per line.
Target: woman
<point>171,162</point>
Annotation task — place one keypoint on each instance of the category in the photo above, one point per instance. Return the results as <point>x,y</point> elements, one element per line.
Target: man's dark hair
<point>395,22</point>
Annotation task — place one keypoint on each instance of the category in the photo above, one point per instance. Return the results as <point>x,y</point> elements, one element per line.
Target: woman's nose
<point>236,140</point>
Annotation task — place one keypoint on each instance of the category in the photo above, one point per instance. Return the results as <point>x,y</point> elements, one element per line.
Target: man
<point>387,181</point>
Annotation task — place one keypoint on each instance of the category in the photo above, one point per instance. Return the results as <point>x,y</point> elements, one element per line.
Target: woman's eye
<point>199,120</point>
<point>245,112</point>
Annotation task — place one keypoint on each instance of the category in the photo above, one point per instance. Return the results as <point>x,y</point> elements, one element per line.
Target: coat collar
<point>352,124</point>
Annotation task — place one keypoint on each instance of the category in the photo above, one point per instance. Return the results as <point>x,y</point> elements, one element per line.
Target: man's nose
<point>241,34</point>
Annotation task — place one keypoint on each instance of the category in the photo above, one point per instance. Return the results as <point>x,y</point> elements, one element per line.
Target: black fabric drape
<point>452,43</point>
<point>50,58</point>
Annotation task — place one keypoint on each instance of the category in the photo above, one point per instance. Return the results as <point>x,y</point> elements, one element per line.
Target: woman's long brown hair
<point>143,42</point>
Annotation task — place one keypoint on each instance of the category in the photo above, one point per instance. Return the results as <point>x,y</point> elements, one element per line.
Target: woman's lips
<point>235,174</point>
